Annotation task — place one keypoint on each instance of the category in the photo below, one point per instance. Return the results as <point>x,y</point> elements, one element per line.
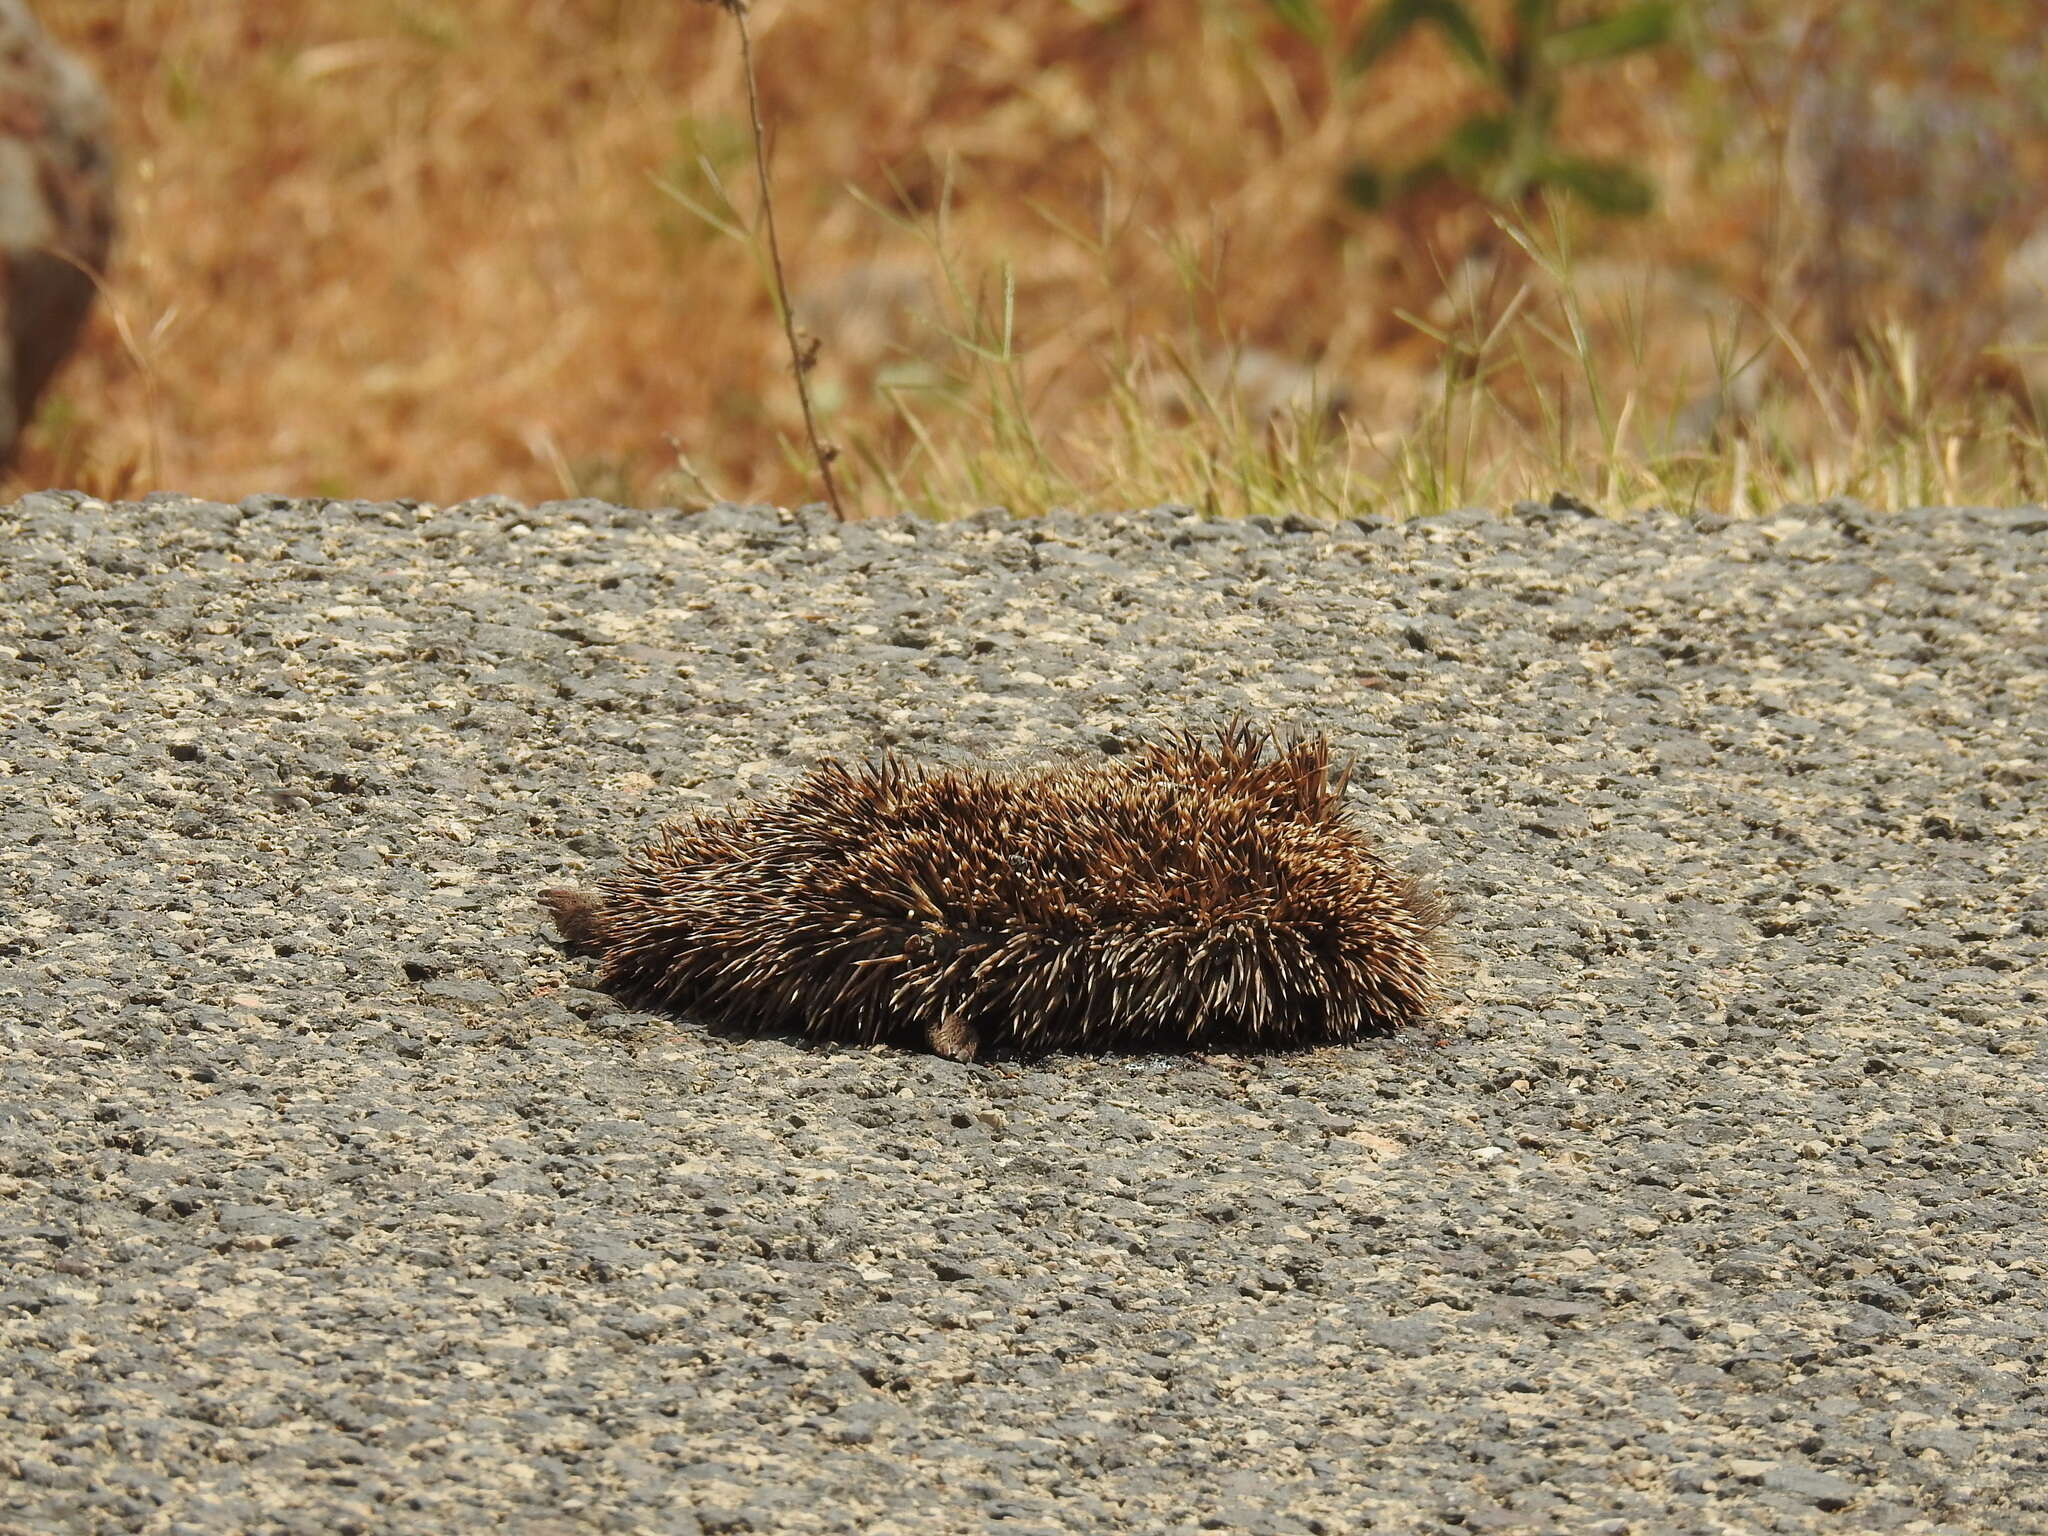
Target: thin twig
<point>126,333</point>
<point>801,357</point>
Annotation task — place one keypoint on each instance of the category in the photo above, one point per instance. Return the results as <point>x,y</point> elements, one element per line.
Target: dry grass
<point>436,249</point>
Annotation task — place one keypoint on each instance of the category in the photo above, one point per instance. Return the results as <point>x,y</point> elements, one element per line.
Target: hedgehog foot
<point>951,1037</point>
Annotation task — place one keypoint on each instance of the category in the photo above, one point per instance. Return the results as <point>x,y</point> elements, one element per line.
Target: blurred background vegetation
<point>1259,254</point>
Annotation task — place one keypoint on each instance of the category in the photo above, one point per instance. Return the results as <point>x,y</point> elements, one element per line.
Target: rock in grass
<point>56,209</point>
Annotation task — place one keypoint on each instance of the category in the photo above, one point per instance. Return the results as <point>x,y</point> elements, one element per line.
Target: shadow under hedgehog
<point>1205,892</point>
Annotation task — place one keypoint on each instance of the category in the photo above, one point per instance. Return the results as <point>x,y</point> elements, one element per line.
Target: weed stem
<point>800,359</point>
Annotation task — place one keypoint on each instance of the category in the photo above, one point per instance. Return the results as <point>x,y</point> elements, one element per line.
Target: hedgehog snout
<point>579,917</point>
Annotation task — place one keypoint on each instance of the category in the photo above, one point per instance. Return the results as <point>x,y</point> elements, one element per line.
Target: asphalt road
<point>332,1201</point>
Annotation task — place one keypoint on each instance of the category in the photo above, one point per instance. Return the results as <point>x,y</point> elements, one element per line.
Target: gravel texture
<point>331,1201</point>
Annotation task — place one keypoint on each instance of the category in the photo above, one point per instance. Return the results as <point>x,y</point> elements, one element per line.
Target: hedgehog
<point>1204,892</point>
